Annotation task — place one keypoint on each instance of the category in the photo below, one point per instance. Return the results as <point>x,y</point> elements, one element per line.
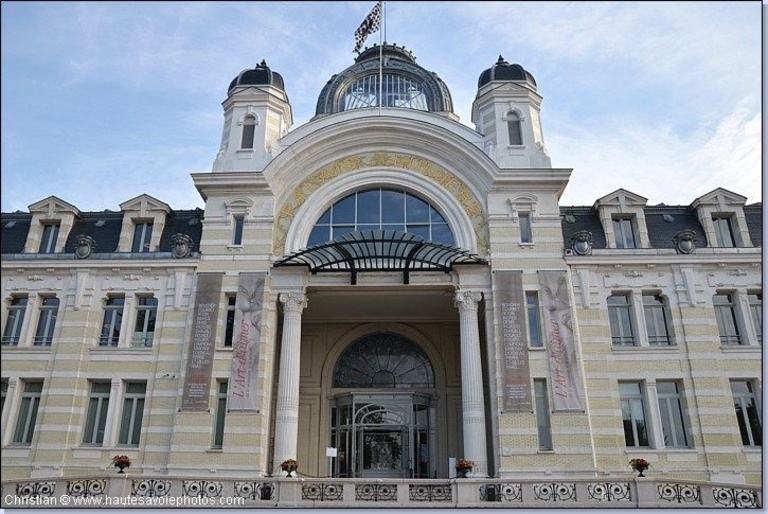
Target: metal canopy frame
<point>379,250</point>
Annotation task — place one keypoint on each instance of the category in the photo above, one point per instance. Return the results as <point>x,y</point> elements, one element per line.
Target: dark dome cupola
<point>261,75</point>
<point>502,71</point>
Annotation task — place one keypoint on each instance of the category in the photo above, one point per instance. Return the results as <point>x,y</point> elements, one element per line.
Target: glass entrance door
<point>384,453</point>
<point>383,435</point>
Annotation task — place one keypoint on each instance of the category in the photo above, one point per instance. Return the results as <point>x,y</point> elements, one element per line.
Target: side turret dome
<point>261,75</point>
<point>503,71</point>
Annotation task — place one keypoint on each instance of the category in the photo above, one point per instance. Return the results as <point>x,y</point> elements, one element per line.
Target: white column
<point>472,401</point>
<point>287,412</point>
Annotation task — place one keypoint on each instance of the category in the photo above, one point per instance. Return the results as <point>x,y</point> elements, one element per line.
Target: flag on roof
<point>370,24</point>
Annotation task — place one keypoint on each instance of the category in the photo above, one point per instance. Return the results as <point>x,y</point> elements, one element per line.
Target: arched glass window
<point>381,209</point>
<point>249,130</point>
<point>398,91</point>
<point>383,361</point>
<point>513,126</point>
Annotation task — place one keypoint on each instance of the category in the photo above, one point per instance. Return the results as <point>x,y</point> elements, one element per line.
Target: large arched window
<point>383,361</point>
<point>381,209</point>
<point>397,91</point>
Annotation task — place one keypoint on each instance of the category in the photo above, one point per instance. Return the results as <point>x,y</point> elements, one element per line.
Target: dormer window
<point>723,231</point>
<point>514,128</point>
<point>50,235</point>
<point>249,131</point>
<point>624,232</point>
<point>142,236</point>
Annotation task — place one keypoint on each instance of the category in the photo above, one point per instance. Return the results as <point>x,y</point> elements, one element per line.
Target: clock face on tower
<point>397,91</point>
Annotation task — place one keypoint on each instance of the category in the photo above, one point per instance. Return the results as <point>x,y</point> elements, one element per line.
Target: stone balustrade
<point>144,491</point>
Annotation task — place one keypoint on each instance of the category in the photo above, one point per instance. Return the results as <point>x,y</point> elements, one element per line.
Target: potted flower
<point>463,466</point>
<point>289,465</point>
<point>122,462</point>
<point>639,465</point>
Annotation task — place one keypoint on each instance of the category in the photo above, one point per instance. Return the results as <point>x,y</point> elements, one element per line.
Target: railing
<point>164,491</point>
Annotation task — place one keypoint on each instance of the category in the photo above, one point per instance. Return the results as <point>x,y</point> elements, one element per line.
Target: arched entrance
<point>383,423</point>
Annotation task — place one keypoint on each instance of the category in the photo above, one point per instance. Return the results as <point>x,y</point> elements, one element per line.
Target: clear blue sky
<point>104,101</point>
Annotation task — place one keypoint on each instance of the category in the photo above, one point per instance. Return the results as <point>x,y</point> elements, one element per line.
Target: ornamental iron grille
<point>35,489</point>
<point>376,492</point>
<point>501,492</point>
<point>609,491</point>
<point>150,487</point>
<point>555,492</point>
<point>430,493</point>
<point>202,488</point>
<point>680,493</point>
<point>254,490</point>
<point>738,498</point>
<point>322,492</point>
<point>84,488</point>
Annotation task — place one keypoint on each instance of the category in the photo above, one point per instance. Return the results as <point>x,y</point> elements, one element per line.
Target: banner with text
<point>247,335</point>
<point>197,383</point>
<point>561,345</point>
<point>517,375</point>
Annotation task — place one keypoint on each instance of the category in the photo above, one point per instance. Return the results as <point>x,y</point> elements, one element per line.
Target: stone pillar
<point>472,401</point>
<point>287,411</point>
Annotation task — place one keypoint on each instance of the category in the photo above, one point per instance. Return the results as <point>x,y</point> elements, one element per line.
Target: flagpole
<point>381,53</point>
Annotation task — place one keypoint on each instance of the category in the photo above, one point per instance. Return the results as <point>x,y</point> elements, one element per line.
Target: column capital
<point>467,299</point>
<point>293,302</point>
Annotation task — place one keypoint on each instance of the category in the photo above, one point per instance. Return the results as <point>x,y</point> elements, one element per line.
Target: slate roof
<point>754,215</point>
<point>104,227</point>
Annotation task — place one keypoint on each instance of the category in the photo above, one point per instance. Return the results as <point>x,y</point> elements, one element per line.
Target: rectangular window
<point>30,402</point>
<point>633,413</point>
<point>46,323</point>
<point>723,231</point>
<point>625,234</point>
<point>221,412</point>
<point>142,236</point>
<point>543,423</point>
<point>620,318</point>
<point>249,131</point>
<point>133,413</point>
<point>656,320</point>
<point>756,310</point>
<point>3,393</point>
<point>113,320</point>
<point>237,236</point>
<point>672,412</point>
<point>747,414</point>
<point>146,315</point>
<point>229,331</point>
<point>727,325</point>
<point>15,320</point>
<point>534,320</point>
<point>50,235</point>
<point>96,418</point>
<point>526,236</point>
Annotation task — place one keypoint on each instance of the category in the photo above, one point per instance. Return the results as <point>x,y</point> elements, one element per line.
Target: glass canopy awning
<point>379,250</point>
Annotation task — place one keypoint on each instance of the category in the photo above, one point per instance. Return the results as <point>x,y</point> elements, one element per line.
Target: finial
<point>263,63</point>
<point>501,59</point>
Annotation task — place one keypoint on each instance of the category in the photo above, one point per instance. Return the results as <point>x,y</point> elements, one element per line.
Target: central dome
<point>405,84</point>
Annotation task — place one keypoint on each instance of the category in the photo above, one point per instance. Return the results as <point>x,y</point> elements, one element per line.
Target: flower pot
<point>121,467</point>
<point>640,469</point>
<point>289,470</point>
<point>462,472</point>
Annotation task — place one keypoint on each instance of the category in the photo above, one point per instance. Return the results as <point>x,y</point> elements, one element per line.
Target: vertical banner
<point>561,346</point>
<point>200,359</point>
<point>514,340</point>
<point>245,351</point>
